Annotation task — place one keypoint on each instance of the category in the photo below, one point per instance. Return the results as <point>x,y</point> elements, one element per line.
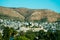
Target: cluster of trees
<point>41,35</point>
<point>11,34</point>
<point>7,33</point>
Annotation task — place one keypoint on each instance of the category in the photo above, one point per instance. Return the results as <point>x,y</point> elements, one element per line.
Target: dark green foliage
<point>0,36</point>
<point>2,27</point>
<point>41,34</point>
<point>36,20</point>
<point>21,38</point>
<point>6,33</point>
<point>31,35</point>
<point>58,34</point>
<point>43,19</point>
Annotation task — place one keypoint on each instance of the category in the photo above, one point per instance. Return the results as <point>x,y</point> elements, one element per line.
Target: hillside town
<point>25,26</point>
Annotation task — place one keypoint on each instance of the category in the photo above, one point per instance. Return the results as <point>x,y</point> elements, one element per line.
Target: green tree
<point>58,34</point>
<point>6,33</point>
<point>13,31</point>
<point>21,38</point>
<point>51,35</point>
<point>0,36</point>
<point>41,34</point>
<point>31,35</point>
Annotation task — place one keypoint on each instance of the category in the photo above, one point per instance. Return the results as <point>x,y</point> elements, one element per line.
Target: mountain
<point>25,14</point>
<point>4,11</point>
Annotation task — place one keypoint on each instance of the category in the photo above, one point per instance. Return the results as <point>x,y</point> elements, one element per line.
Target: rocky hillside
<point>28,14</point>
<point>10,13</point>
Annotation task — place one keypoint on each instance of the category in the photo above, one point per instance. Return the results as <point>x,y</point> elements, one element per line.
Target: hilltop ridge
<point>29,14</point>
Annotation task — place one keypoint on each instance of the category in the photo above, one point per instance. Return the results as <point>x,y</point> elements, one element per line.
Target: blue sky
<point>34,4</point>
